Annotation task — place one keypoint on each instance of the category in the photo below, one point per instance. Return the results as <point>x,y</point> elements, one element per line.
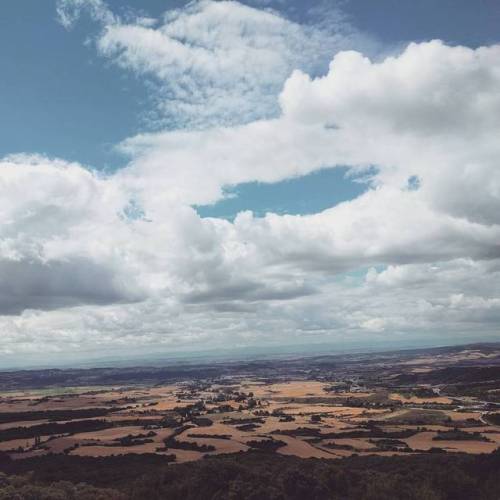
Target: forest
<point>255,475</point>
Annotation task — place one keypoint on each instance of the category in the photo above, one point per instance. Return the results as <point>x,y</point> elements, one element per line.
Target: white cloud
<point>356,115</point>
<point>216,62</point>
<point>374,324</point>
<point>164,276</point>
<point>63,241</point>
<point>432,112</point>
<point>68,11</point>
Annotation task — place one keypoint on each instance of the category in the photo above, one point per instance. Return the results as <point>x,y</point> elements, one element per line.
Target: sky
<point>184,177</point>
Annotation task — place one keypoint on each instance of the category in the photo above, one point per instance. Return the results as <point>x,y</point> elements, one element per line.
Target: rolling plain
<point>418,402</point>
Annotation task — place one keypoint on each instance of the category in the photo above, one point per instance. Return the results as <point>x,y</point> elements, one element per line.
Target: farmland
<point>328,407</point>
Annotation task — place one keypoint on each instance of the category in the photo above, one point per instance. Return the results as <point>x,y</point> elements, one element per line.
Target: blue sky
<point>304,195</point>
<point>184,176</point>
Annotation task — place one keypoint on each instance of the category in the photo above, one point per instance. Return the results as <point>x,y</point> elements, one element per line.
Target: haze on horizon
<point>184,177</point>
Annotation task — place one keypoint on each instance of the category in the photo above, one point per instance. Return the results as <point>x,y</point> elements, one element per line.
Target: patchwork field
<point>307,408</point>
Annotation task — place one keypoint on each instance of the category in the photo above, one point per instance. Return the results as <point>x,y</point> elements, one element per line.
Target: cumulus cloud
<point>431,112</point>
<point>61,237</point>
<point>335,120</point>
<point>137,264</point>
<point>395,114</point>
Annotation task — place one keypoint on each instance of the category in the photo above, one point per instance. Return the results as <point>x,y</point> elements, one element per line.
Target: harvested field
<point>58,445</point>
<point>111,433</point>
<point>14,444</point>
<point>296,389</point>
<point>458,415</point>
<point>424,441</point>
<point>416,400</point>
<point>220,445</point>
<point>418,417</point>
<point>299,448</point>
